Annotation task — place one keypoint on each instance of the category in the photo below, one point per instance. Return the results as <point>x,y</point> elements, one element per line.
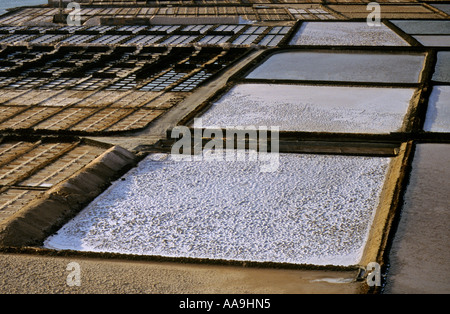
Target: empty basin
<point>438,112</point>
<point>311,108</point>
<point>341,66</point>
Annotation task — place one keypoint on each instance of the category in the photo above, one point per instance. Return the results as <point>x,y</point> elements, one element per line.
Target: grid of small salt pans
<point>272,38</point>
<point>45,15</point>
<point>85,112</point>
<point>187,74</point>
<point>90,68</point>
<point>114,90</point>
<point>170,35</point>
<point>29,168</point>
<point>307,14</point>
<point>49,67</point>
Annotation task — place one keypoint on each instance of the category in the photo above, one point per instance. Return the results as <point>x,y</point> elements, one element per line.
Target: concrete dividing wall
<point>375,250</point>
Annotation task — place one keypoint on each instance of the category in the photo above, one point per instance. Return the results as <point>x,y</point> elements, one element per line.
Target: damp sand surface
<point>39,274</point>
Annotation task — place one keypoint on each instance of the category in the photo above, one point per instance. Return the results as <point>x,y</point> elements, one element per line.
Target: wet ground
<point>45,274</point>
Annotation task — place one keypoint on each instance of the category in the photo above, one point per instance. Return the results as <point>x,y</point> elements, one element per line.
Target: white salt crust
<point>433,40</point>
<point>346,33</point>
<point>311,108</point>
<point>315,209</point>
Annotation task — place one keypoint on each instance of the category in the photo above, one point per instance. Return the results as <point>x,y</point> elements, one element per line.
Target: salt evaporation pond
<point>7,4</point>
<point>442,68</point>
<point>438,112</point>
<point>311,108</point>
<point>346,33</point>
<point>434,40</point>
<point>424,27</point>
<point>315,209</point>
<point>420,244</point>
<point>340,66</point>
<point>443,7</point>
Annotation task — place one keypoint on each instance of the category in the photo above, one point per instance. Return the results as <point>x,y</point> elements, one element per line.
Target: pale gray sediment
<point>438,113</point>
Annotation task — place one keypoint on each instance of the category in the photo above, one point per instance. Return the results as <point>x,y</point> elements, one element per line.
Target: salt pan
<point>311,108</point>
<point>346,33</point>
<point>442,68</point>
<point>340,66</point>
<point>438,113</point>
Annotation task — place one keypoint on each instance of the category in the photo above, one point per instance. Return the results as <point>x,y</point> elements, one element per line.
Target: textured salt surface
<point>442,68</point>
<point>423,27</point>
<point>311,108</point>
<point>433,40</point>
<point>443,7</point>
<point>334,66</point>
<point>438,113</point>
<point>346,33</point>
<point>7,4</point>
<point>419,257</point>
<point>315,209</point>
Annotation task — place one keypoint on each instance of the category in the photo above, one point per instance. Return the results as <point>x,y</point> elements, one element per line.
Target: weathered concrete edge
<point>389,205</point>
<point>43,216</point>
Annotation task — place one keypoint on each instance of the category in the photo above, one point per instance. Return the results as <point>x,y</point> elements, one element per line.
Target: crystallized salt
<point>314,209</point>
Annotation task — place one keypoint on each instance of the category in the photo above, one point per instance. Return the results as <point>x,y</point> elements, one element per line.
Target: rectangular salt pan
<point>340,66</point>
<point>433,40</point>
<point>311,108</point>
<point>420,244</point>
<point>438,113</point>
<point>315,209</point>
<point>346,33</point>
<point>442,68</point>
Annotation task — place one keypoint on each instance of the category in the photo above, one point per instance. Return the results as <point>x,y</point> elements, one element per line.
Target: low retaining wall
<point>45,215</point>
